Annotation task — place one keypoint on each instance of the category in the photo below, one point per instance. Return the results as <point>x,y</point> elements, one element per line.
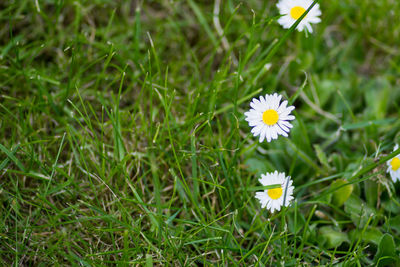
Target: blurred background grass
<point>123,138</point>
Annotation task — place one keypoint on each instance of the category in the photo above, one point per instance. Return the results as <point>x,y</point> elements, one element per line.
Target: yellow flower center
<point>296,12</point>
<point>270,117</point>
<point>395,164</point>
<point>275,193</point>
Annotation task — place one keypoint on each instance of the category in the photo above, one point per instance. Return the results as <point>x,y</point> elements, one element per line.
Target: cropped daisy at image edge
<point>394,166</point>
<point>273,199</point>
<point>291,10</point>
<point>269,117</point>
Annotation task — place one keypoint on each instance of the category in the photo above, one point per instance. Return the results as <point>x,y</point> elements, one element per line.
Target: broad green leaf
<point>332,238</point>
<point>394,223</point>
<point>342,193</point>
<point>386,253</point>
<point>257,166</point>
<point>391,206</point>
<point>358,210</point>
<point>371,235</point>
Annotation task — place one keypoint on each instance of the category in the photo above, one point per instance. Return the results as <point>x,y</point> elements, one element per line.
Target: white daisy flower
<point>273,198</point>
<point>293,9</point>
<point>269,118</point>
<point>394,166</point>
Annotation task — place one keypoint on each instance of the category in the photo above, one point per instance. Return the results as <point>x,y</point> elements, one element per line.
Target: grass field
<point>123,139</point>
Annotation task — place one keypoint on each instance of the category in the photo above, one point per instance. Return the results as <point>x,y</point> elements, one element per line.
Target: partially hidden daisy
<point>269,118</point>
<point>291,10</point>
<point>394,166</point>
<point>273,198</point>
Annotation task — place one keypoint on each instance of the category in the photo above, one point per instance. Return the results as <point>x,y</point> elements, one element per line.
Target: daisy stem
<point>283,230</point>
<point>283,219</point>
<point>303,238</point>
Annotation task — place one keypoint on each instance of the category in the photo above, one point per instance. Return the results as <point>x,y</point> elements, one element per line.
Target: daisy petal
<point>292,10</point>
<point>273,199</point>
<point>269,117</point>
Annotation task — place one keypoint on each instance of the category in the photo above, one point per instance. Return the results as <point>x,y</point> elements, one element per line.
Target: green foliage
<point>123,139</point>
<point>386,254</point>
<point>371,235</point>
<point>358,210</point>
<point>332,238</point>
<point>341,191</point>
